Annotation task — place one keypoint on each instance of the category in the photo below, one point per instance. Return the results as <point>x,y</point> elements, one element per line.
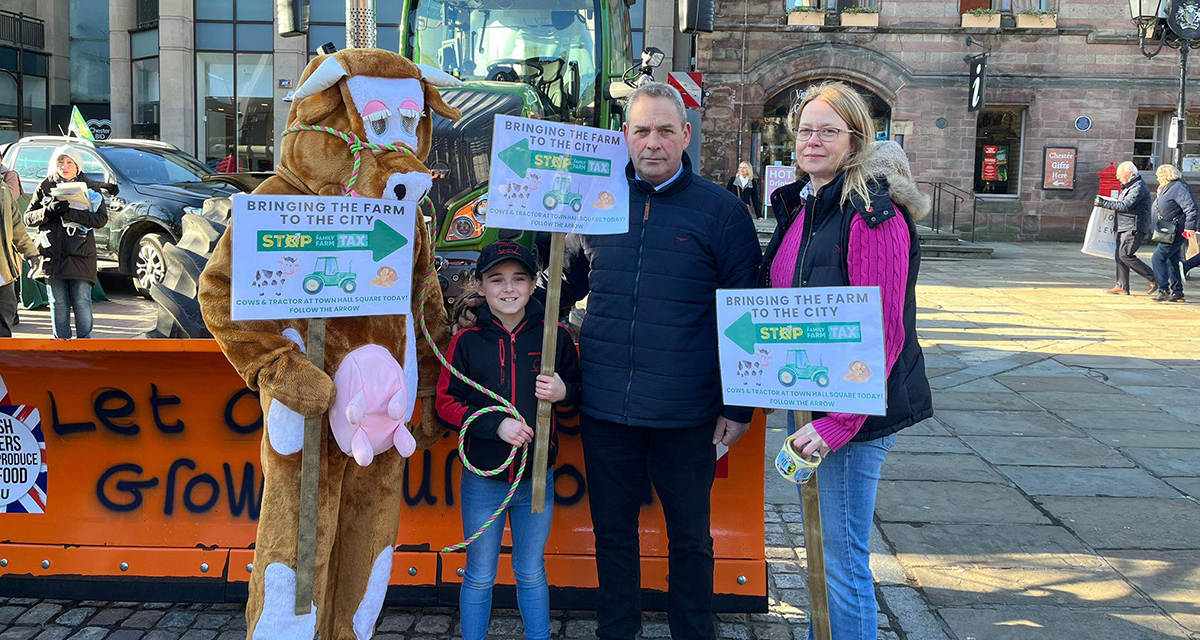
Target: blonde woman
<point>1174,204</point>
<point>747,188</point>
<point>849,221</point>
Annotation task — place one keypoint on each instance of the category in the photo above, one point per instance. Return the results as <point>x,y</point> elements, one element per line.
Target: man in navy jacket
<point>651,404</point>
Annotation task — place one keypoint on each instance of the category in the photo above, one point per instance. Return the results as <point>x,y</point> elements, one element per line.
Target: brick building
<point>1040,83</point>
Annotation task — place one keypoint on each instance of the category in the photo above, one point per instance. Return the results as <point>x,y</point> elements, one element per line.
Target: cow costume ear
<point>318,95</point>
<point>433,100</point>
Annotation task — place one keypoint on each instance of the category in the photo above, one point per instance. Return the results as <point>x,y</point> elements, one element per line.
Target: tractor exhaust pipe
<point>360,24</point>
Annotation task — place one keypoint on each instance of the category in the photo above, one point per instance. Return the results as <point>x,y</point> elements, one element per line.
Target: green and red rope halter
<point>356,145</point>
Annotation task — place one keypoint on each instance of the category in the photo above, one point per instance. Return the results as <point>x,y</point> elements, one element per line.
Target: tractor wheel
<point>822,380</point>
<point>179,310</point>
<point>313,285</point>
<point>787,377</point>
<point>550,201</point>
<point>349,286</point>
<point>576,206</point>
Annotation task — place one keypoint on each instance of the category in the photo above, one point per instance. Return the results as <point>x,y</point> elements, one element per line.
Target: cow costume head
<point>379,96</point>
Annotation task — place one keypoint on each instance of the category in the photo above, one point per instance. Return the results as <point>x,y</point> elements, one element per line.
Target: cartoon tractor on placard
<point>799,368</point>
<point>325,274</point>
<point>562,194</point>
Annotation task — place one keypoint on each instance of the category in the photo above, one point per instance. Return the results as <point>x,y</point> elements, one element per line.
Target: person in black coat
<point>1175,204</point>
<point>748,189</point>
<point>1132,207</point>
<point>66,244</point>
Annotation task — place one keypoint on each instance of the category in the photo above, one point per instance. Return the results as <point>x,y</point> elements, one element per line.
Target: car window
<point>154,167</point>
<point>92,165</point>
<point>31,163</point>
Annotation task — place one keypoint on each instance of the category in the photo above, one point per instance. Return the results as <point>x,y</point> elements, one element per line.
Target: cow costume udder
<point>385,99</point>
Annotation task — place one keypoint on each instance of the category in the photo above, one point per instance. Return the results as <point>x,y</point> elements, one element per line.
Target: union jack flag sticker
<point>22,460</point>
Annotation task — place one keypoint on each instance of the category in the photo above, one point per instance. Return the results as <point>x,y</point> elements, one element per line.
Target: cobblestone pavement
<point>1054,495</point>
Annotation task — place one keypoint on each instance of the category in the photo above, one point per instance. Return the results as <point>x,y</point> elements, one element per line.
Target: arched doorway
<point>777,145</point>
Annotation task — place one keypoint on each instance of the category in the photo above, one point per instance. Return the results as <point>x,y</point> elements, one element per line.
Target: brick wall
<point>1089,66</point>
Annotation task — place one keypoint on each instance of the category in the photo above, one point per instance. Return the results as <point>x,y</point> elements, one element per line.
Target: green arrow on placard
<point>520,158</point>
<point>381,241</point>
<point>745,333</point>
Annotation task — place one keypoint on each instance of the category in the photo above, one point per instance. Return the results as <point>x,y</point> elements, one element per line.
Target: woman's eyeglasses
<point>828,134</point>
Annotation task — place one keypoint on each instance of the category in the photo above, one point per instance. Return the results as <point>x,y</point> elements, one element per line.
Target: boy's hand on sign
<point>728,431</point>
<point>515,432</point>
<point>550,389</point>
<point>467,318</point>
<point>808,440</point>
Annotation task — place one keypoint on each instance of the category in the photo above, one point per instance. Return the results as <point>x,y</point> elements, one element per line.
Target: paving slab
<point>1189,414</point>
<point>1123,438</point>
<point>1165,397</point>
<point>1163,377</point>
<point>1051,452</point>
<point>966,401</point>
<point>928,427</point>
<point>1128,523</point>
<point>1059,623</point>
<point>922,501</point>
<point>1106,362</point>
<point>1045,368</point>
<point>995,546</point>
<point>953,587</point>
<point>1075,481</point>
<point>928,444</point>
<point>1072,383</point>
<point>1113,400</point>
<point>1170,578</point>
<point>1166,462</point>
<point>938,466</point>
<point>1152,420</point>
<point>1007,423</point>
<point>1190,486</point>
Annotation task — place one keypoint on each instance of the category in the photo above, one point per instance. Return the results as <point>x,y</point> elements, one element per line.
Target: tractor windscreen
<point>548,44</point>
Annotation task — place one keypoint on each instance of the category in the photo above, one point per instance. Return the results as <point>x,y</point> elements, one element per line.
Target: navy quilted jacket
<point>648,347</point>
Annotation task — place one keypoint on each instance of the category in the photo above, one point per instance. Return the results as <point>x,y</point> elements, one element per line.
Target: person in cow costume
<point>374,368</point>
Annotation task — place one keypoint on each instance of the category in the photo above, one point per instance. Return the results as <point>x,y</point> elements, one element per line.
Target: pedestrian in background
<point>852,224</point>
<point>1132,207</point>
<point>748,189</point>
<point>17,246</point>
<point>66,244</point>
<point>1175,204</point>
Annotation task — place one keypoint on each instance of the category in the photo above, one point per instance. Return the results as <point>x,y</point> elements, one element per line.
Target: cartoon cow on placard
<point>753,369</point>
<point>274,278</point>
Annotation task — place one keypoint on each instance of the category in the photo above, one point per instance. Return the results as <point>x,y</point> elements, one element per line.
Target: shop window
<point>145,99</point>
<point>998,141</point>
<point>1148,139</point>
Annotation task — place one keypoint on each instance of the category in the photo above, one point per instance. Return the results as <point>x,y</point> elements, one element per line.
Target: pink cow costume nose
<point>372,400</point>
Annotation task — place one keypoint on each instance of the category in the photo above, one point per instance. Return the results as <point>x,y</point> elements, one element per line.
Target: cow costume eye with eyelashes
<point>392,108</point>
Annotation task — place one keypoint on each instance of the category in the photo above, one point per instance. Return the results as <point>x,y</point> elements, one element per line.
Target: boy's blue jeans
<point>480,498</point>
<point>66,295</point>
<point>848,479</point>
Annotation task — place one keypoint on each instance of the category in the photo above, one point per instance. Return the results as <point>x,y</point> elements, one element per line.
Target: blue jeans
<point>66,295</point>
<point>849,478</point>
<point>1166,261</point>
<point>480,498</point>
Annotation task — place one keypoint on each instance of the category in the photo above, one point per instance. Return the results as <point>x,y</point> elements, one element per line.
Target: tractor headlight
<point>469,221</point>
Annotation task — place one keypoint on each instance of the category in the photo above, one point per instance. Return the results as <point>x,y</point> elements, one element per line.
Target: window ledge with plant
<point>1037,19</point>
<point>805,16</point>
<point>860,17</point>
<point>981,19</point>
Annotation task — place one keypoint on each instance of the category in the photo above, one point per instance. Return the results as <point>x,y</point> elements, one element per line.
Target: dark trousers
<point>680,464</point>
<point>8,309</point>
<point>1191,263</point>
<point>1167,260</point>
<point>1127,246</point>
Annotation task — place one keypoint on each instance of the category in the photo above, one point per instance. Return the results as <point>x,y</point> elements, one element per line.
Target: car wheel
<point>149,262</point>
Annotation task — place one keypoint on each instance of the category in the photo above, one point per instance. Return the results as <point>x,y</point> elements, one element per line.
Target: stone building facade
<point>1041,83</point>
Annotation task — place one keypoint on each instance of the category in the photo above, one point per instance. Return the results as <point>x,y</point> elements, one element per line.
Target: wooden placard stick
<point>310,467</point>
<point>814,545</point>
<point>541,450</point>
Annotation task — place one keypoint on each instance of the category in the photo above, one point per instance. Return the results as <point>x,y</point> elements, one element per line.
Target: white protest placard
<point>775,176</point>
<point>811,349</point>
<point>22,460</point>
<point>550,176</point>
<point>321,257</point>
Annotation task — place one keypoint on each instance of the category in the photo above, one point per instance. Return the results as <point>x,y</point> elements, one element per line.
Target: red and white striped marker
<point>690,85</point>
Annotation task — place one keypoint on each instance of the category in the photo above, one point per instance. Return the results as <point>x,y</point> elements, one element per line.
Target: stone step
<point>955,250</point>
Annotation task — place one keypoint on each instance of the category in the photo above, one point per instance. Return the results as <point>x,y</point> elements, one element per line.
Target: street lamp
<point>1175,24</point>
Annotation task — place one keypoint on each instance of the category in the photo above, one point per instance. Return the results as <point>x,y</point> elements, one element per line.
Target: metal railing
<point>147,13</point>
<point>22,30</point>
<point>947,196</point>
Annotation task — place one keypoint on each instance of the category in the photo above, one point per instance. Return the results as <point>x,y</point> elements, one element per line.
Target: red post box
<point>1109,185</point>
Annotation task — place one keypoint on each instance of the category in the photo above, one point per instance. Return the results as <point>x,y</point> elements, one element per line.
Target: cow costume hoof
<point>278,620</point>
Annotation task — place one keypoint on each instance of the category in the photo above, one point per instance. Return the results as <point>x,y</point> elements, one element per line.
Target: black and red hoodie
<point>508,364</point>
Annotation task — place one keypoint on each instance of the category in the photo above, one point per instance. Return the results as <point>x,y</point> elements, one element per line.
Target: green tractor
<point>799,368</point>
<point>325,274</point>
<point>562,194</point>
